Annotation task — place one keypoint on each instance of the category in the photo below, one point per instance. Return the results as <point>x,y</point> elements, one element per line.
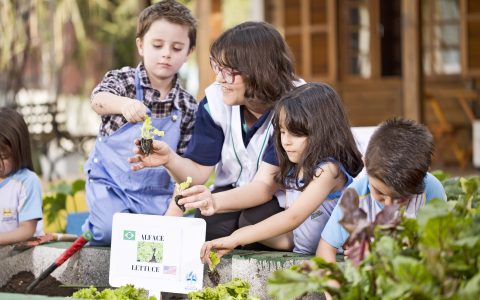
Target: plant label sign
<point>157,253</point>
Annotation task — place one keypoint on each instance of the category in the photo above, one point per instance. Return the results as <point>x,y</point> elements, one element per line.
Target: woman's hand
<point>159,155</point>
<point>221,246</point>
<point>134,111</point>
<point>200,197</point>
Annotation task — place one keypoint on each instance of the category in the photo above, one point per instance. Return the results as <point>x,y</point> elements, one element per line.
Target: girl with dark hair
<point>233,128</point>
<point>20,188</point>
<point>317,157</point>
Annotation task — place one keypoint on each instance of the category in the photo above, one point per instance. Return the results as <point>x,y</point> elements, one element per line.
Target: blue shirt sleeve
<point>31,201</point>
<point>434,188</point>
<point>334,233</point>
<point>270,155</point>
<point>205,146</point>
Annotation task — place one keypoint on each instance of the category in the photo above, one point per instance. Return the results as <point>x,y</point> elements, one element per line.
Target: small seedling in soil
<point>212,272</point>
<point>179,188</point>
<point>148,131</point>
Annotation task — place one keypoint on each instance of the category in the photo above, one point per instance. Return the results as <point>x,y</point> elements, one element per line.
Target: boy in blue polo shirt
<point>397,160</point>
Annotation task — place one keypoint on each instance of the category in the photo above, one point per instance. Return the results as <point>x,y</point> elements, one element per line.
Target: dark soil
<point>48,287</point>
<point>214,277</point>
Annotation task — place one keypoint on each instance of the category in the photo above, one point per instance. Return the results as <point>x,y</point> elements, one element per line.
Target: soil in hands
<point>48,287</point>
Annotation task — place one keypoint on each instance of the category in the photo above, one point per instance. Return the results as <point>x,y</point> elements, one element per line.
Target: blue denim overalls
<point>111,184</point>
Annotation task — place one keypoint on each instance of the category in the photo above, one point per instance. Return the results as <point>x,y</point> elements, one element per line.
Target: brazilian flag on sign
<point>129,235</point>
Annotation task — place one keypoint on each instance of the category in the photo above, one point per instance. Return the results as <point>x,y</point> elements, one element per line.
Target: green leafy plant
<point>55,200</point>
<point>179,188</point>
<point>148,132</point>
<point>236,289</point>
<point>125,292</point>
<point>214,259</point>
<point>435,256</point>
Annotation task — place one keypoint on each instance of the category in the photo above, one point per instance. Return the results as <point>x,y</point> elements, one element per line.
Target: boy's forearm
<point>21,233</point>
<point>326,251</point>
<point>105,103</point>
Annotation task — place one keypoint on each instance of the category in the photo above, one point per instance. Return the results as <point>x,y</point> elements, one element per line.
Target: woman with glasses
<point>254,68</point>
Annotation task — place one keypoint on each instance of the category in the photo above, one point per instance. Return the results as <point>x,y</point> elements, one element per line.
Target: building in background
<point>410,58</point>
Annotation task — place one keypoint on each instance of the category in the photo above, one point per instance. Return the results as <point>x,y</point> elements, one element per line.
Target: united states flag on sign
<point>171,270</point>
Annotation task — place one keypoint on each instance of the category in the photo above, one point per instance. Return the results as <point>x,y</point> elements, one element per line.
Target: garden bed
<point>49,286</point>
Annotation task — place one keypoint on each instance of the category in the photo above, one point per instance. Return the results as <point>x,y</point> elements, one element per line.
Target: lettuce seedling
<point>214,259</point>
<point>179,188</point>
<point>148,131</point>
<point>212,272</point>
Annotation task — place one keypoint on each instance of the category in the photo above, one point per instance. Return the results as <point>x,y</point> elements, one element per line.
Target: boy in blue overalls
<point>165,37</point>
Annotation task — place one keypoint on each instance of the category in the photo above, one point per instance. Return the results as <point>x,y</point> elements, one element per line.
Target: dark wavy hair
<point>173,12</point>
<point>15,139</point>
<point>258,51</point>
<point>399,154</point>
<point>315,110</point>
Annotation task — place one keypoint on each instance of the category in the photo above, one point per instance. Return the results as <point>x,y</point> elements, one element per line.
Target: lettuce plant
<point>179,188</point>
<point>148,132</point>
<point>435,256</point>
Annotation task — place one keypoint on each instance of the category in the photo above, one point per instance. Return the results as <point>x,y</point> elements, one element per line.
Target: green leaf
<point>471,289</point>
<point>214,259</point>
<point>78,185</point>
<point>61,188</point>
<point>148,131</point>
<point>435,208</point>
<point>440,175</point>
<point>186,184</point>
<point>287,284</point>
<point>53,204</point>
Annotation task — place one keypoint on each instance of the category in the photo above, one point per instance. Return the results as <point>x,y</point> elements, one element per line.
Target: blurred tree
<point>45,35</point>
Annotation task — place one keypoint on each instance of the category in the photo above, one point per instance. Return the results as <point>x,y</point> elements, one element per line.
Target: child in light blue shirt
<point>397,160</point>
<point>20,189</point>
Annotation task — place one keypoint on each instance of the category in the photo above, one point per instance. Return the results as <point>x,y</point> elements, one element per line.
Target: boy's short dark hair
<point>173,12</point>
<point>399,154</point>
<point>15,139</point>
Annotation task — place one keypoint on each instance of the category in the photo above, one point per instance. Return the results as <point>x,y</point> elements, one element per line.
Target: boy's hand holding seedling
<point>134,111</point>
<point>148,131</point>
<point>179,188</point>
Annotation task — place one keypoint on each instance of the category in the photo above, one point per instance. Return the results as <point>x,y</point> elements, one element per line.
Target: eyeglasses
<point>227,73</point>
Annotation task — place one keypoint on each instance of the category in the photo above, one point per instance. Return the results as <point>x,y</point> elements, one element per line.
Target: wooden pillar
<point>210,25</point>
<point>412,59</point>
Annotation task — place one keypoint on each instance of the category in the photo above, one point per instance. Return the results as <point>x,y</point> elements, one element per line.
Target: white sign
<point>157,253</point>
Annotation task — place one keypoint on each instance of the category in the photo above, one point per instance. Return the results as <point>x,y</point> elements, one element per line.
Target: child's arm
<point>258,191</point>
<point>23,232</point>
<point>310,199</point>
<point>178,167</point>
<point>105,103</point>
<point>326,251</point>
